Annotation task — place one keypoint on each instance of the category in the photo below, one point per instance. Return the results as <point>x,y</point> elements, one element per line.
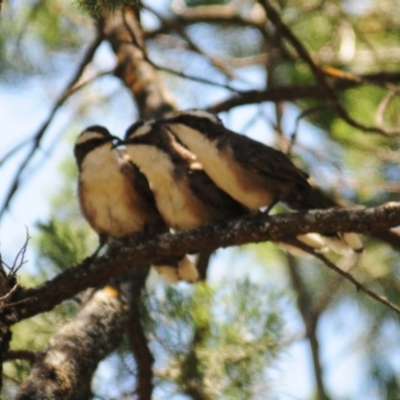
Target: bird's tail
<point>314,240</point>
<point>180,270</point>
<point>309,198</point>
<point>344,243</point>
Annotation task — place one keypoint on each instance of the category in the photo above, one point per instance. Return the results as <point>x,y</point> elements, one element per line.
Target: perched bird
<point>185,195</point>
<point>254,174</point>
<point>116,200</point>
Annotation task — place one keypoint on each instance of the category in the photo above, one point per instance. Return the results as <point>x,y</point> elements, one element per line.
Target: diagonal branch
<point>259,228</point>
<point>37,138</point>
<point>180,29</point>
<point>300,91</point>
<point>166,69</point>
<point>28,355</point>
<point>64,370</point>
<point>318,72</point>
<point>359,286</point>
<point>310,319</point>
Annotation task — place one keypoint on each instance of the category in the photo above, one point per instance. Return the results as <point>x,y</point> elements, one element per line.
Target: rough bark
<point>124,33</point>
<point>64,370</point>
<point>299,91</point>
<point>227,233</point>
<point>8,286</point>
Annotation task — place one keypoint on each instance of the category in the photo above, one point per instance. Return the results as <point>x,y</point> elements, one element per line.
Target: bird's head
<point>201,121</point>
<point>196,119</point>
<point>156,135</point>
<point>148,133</point>
<point>90,139</point>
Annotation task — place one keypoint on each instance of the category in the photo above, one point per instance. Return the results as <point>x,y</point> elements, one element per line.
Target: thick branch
<point>28,355</point>
<point>227,233</point>
<point>125,35</point>
<point>301,91</point>
<point>64,369</point>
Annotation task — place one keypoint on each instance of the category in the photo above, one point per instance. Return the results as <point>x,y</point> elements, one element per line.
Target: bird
<point>116,200</point>
<point>185,195</point>
<point>254,174</point>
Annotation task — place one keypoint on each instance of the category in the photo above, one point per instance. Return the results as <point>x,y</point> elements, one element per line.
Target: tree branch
<point>12,355</point>
<point>64,369</point>
<point>37,138</point>
<point>123,31</point>
<point>318,72</point>
<point>345,274</point>
<point>300,91</point>
<point>260,228</point>
<point>305,306</point>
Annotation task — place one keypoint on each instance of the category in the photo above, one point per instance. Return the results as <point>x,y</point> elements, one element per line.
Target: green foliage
<point>97,8</point>
<point>62,241</point>
<point>66,238</point>
<point>234,331</point>
<point>32,31</point>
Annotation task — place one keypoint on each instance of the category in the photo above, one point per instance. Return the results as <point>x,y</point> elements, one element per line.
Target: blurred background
<point>264,325</point>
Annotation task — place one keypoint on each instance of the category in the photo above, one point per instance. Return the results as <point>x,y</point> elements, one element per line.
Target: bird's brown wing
<point>144,196</point>
<point>83,204</point>
<point>285,181</point>
<point>223,206</point>
<point>256,156</point>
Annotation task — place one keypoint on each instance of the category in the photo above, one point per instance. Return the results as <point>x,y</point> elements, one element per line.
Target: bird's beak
<point>163,121</point>
<point>117,142</point>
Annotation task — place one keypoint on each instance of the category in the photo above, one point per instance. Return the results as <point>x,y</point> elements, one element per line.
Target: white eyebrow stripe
<point>141,131</point>
<point>87,136</point>
<point>202,114</point>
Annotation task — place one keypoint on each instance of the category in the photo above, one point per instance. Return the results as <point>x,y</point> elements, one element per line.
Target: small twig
<point>359,286</point>
<point>15,149</point>
<point>28,355</point>
<point>219,64</point>
<point>12,378</point>
<point>37,138</point>
<point>19,260</point>
<point>19,302</point>
<point>9,294</point>
<point>170,70</point>
<point>384,104</point>
<point>303,114</point>
<point>321,303</point>
<point>251,121</point>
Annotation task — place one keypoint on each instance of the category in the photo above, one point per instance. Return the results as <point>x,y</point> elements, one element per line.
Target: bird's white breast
<point>172,196</point>
<point>104,194</point>
<point>221,167</point>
